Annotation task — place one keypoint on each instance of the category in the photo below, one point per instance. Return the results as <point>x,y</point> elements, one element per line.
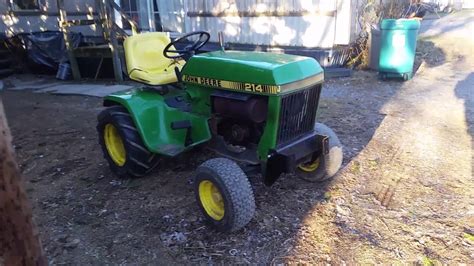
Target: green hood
<point>252,67</point>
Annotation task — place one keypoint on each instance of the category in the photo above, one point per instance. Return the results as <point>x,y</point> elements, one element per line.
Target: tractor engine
<point>239,118</point>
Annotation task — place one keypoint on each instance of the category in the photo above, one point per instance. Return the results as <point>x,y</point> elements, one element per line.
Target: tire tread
<point>332,161</point>
<point>140,160</point>
<point>239,188</point>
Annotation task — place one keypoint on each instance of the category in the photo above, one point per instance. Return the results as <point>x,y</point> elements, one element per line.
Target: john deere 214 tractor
<point>256,110</point>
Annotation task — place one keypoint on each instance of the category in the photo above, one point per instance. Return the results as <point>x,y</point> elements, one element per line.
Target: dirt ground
<point>405,193</point>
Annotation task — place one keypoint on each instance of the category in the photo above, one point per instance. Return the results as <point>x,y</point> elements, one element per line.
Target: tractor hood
<point>259,72</point>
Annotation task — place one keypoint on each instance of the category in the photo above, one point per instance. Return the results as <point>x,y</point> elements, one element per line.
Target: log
<point>19,237</point>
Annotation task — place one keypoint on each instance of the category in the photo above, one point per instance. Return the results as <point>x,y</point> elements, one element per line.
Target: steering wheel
<point>188,50</point>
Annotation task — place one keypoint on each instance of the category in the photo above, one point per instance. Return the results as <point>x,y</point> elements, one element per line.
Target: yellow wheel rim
<point>211,199</point>
<point>310,166</point>
<point>114,145</point>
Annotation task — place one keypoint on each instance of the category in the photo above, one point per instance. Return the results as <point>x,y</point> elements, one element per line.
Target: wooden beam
<point>70,50</point>
<point>120,33</point>
<point>96,51</point>
<point>80,22</point>
<point>112,39</point>
<point>133,24</point>
<point>19,237</point>
<point>23,13</point>
<point>99,67</point>
<point>102,16</point>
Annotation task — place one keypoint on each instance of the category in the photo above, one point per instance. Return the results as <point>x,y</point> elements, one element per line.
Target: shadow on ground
<point>428,54</point>
<point>464,91</point>
<point>86,215</point>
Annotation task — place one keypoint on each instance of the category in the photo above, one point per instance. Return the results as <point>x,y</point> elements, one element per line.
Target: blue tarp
<point>48,48</point>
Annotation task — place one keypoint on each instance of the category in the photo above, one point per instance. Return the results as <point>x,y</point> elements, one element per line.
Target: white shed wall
<point>31,21</point>
<point>318,23</point>
<point>308,23</point>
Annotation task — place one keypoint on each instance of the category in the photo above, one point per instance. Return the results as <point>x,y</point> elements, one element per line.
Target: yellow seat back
<point>145,59</point>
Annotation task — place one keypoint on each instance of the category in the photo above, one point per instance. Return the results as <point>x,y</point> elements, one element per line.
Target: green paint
<point>153,117</point>
<point>201,101</point>
<point>252,67</point>
<point>200,98</point>
<point>269,137</point>
<point>153,120</point>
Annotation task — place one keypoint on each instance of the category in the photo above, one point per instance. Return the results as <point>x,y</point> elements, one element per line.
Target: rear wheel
<point>122,145</point>
<point>224,194</point>
<point>323,167</point>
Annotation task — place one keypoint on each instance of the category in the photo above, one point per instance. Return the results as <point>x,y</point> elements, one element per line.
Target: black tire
<point>235,189</point>
<point>138,159</point>
<point>330,163</point>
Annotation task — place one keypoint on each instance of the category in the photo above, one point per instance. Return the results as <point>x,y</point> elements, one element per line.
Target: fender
<point>163,121</point>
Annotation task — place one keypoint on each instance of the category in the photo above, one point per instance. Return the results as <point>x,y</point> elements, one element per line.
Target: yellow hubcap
<point>211,199</point>
<point>310,166</point>
<point>114,145</point>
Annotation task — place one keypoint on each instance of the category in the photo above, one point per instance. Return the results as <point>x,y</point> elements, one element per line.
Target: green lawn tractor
<point>256,110</point>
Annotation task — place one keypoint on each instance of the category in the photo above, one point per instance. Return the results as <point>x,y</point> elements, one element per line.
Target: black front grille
<point>298,114</point>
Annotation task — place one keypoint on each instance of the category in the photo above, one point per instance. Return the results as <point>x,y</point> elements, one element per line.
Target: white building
<point>302,23</point>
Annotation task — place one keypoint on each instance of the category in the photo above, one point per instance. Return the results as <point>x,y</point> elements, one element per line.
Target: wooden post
<point>108,14</point>
<point>99,24</point>
<point>63,24</point>
<point>19,238</point>
<point>102,17</point>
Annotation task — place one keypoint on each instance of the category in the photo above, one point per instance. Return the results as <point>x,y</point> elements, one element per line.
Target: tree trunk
<point>19,237</point>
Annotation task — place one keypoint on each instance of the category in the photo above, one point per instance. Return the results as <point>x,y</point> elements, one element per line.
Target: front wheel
<point>224,194</point>
<point>323,167</point>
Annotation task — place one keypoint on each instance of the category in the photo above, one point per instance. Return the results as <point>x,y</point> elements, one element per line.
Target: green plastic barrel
<point>398,48</point>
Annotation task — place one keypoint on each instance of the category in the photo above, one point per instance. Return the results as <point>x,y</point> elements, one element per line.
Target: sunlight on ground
<point>426,150</point>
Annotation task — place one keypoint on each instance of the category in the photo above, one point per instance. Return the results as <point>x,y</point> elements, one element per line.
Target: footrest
<point>184,124</point>
<point>181,124</point>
